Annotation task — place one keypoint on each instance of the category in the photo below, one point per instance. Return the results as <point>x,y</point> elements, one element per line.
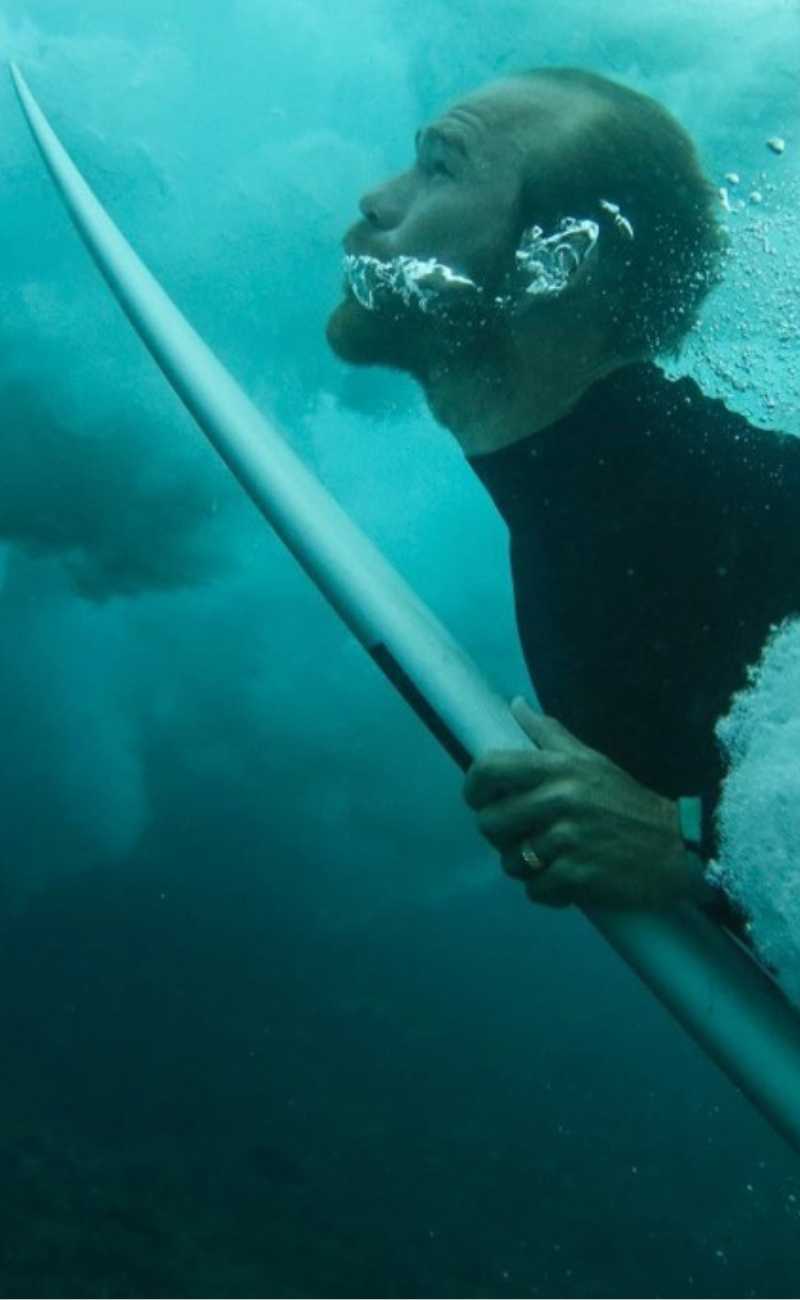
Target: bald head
<point>551,205</point>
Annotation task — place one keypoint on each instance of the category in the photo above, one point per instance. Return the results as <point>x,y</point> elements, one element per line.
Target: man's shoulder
<point>686,420</point>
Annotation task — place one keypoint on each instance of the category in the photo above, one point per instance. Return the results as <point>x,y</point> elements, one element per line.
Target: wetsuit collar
<point>613,406</point>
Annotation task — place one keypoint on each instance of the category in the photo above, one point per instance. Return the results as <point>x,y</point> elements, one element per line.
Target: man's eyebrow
<point>434,135</point>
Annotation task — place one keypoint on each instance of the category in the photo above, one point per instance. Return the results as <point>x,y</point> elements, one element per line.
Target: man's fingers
<point>551,883</point>
<point>548,733</point>
<point>508,820</point>
<point>508,771</point>
<point>554,887</point>
<point>527,858</point>
<point>556,896</point>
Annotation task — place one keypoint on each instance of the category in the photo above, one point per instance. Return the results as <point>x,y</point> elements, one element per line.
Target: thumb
<point>546,732</point>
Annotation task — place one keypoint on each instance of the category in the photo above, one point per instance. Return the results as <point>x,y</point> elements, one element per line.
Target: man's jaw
<point>412,314</point>
<point>362,337</point>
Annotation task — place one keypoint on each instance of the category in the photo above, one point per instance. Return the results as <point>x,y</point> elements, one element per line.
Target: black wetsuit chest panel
<point>655,538</point>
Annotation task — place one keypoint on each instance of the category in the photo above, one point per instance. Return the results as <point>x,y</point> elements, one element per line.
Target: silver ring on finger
<point>531,858</point>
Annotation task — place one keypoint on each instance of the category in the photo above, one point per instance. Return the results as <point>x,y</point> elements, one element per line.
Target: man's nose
<point>381,208</point>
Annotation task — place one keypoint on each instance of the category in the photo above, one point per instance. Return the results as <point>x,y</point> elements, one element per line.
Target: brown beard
<point>406,339</point>
<point>366,338</point>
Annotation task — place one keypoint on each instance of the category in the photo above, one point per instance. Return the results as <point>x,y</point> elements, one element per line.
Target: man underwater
<point>554,236</point>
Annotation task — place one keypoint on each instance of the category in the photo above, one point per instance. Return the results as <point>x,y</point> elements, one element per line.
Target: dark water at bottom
<point>202,1095</point>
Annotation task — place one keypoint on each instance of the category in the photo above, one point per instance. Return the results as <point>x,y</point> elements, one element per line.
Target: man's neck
<point>494,402</point>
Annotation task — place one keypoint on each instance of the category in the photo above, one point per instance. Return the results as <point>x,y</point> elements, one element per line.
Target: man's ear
<point>548,265</point>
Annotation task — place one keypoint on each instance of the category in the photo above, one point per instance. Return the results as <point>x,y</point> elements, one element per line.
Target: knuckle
<point>552,722</point>
<point>566,773</point>
<point>565,836</point>
<point>572,790</point>
<point>565,796</point>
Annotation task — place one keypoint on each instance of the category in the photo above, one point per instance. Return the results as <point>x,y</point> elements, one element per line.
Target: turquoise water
<point>273,1025</point>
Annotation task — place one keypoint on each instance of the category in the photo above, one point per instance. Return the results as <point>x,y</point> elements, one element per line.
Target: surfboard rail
<point>709,982</point>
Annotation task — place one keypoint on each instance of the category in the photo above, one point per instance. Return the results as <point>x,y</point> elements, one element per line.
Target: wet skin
<point>460,203</point>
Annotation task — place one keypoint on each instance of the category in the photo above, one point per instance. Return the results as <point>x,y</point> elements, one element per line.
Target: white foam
<point>424,283</point>
<point>550,261</point>
<point>759,813</point>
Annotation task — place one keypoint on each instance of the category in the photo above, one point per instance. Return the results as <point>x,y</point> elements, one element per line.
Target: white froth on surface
<point>759,813</point>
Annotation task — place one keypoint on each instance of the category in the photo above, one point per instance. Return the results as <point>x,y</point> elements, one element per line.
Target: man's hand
<point>576,828</point>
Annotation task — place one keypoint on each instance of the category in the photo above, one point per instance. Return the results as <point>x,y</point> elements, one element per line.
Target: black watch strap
<point>690,814</point>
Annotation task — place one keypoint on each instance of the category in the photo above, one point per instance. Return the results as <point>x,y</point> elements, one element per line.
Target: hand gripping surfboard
<point>706,979</point>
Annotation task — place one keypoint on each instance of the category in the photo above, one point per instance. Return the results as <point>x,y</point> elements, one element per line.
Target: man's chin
<point>365,338</point>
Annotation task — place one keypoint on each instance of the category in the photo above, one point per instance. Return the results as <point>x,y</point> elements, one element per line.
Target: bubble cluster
<point>746,349</point>
<point>759,813</point>
<point>427,284</point>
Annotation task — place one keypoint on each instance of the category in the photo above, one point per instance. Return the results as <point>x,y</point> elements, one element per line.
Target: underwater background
<point>272,1023</point>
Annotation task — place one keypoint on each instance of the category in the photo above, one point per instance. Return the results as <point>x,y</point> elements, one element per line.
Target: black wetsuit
<point>655,539</point>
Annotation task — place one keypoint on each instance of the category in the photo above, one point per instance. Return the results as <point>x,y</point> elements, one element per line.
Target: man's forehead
<point>502,108</point>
